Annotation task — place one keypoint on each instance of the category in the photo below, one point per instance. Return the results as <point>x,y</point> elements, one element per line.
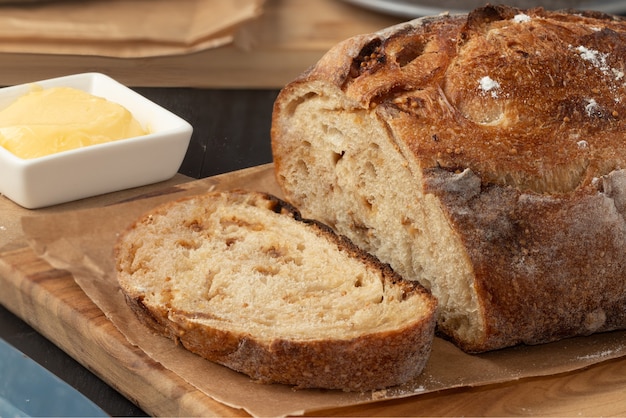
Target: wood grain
<point>597,391</point>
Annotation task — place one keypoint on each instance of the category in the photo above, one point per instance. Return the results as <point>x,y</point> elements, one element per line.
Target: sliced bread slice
<point>241,279</point>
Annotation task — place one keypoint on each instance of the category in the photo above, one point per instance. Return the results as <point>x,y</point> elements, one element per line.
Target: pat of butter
<point>47,121</point>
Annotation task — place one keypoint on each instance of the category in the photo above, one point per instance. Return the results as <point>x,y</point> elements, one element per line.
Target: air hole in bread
<point>369,59</point>
<point>230,241</point>
<point>291,108</point>
<point>480,19</point>
<point>274,251</point>
<point>335,137</point>
<point>338,156</point>
<point>187,244</point>
<point>369,171</point>
<point>408,53</point>
<point>367,203</point>
<point>267,270</point>
<point>194,225</point>
<point>411,227</point>
<point>302,168</point>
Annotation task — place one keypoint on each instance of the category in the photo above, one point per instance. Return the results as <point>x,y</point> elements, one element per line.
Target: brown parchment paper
<point>122,28</point>
<point>81,241</point>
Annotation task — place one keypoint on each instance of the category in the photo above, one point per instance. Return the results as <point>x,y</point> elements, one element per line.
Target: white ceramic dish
<point>96,169</point>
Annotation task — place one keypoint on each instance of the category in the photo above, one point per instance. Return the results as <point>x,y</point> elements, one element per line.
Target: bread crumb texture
<point>241,279</point>
<point>482,155</point>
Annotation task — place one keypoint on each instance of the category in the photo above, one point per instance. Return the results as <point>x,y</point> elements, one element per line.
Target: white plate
<point>96,169</point>
<point>415,8</point>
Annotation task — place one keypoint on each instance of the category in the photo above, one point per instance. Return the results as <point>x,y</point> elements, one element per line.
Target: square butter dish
<point>96,169</point>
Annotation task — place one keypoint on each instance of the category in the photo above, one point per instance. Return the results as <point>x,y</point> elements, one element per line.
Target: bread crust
<point>426,78</point>
<point>514,120</point>
<point>546,267</point>
<point>372,360</point>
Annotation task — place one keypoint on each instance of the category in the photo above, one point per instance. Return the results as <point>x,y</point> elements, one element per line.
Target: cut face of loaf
<point>242,280</point>
<point>482,155</point>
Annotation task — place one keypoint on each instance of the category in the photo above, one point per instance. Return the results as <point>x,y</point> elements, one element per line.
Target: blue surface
<point>28,389</point>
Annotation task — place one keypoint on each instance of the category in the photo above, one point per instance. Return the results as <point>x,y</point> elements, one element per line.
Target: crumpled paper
<point>122,28</point>
<point>81,242</point>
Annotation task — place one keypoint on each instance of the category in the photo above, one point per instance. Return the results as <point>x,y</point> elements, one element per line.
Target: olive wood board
<point>50,300</point>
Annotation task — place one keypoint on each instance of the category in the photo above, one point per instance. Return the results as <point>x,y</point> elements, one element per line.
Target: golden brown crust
<point>516,120</point>
<point>465,92</point>
<point>372,360</point>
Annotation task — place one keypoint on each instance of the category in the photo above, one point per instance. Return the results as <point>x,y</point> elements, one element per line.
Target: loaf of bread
<point>483,155</point>
<point>242,280</point>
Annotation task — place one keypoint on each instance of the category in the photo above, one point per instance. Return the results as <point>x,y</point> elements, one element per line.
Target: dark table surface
<point>231,132</point>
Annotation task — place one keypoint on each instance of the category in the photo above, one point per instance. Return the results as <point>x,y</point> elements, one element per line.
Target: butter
<point>47,121</point>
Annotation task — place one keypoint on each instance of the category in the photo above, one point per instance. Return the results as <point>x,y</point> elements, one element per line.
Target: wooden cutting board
<point>50,301</point>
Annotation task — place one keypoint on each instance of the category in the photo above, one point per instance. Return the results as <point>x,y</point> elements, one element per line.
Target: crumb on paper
<point>379,394</point>
<point>601,354</point>
<point>395,392</point>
